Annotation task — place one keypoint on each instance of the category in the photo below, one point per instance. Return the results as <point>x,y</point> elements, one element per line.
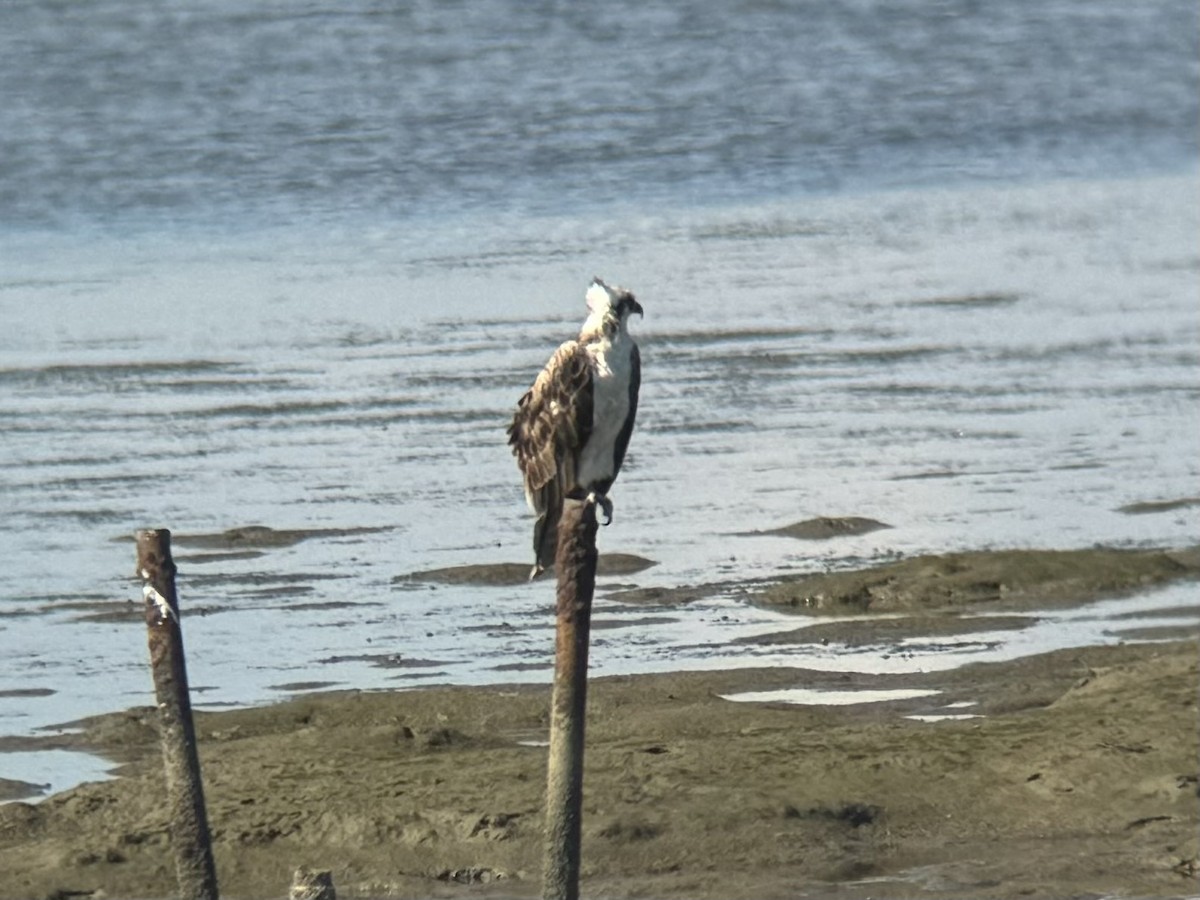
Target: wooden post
<point>575,563</point>
<point>190,838</point>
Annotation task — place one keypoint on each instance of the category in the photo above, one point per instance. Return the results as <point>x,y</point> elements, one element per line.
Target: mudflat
<point>1072,773</point>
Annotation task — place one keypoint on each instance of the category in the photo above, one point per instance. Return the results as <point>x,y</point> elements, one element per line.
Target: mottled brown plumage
<point>588,390</point>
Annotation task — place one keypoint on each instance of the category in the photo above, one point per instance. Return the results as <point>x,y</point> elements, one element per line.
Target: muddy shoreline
<point>1064,774</point>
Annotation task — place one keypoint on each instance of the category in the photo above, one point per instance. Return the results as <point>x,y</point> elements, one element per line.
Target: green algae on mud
<point>1013,579</point>
<point>949,584</point>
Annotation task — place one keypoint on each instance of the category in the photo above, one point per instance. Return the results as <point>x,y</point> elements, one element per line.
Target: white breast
<point>610,405</point>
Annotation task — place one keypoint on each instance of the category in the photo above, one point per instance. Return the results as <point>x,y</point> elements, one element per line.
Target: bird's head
<point>609,301</point>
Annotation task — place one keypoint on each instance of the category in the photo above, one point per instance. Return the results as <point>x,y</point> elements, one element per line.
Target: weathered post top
<point>190,837</point>
<point>157,569</point>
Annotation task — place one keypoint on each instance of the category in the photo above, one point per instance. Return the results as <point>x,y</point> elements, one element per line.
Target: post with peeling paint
<point>575,564</point>
<point>196,873</point>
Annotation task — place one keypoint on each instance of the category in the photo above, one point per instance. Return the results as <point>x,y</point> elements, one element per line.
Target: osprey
<point>571,428</point>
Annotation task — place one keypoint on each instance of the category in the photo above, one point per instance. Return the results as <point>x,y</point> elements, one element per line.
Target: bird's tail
<point>545,531</point>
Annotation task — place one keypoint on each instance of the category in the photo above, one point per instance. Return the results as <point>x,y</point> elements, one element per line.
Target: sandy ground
<point>1076,778</point>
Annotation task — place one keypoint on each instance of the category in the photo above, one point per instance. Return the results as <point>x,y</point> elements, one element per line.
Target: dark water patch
<point>473,377</point>
<point>96,483</point>
<point>106,375</point>
<point>662,340</point>
<point>200,559</point>
<point>1151,507</point>
<point>826,527</point>
<point>507,574</point>
<point>1181,264</point>
<point>1161,612</point>
<point>240,382</point>
<point>325,605</point>
<point>264,537</point>
<point>261,579</point>
<point>864,632</point>
<point>602,623</point>
<point>263,411</point>
<point>893,389</point>
<point>292,687</point>
<point>86,517</point>
<point>922,476</point>
<point>701,426</point>
<point>1070,467</point>
<point>524,667</point>
<point>27,692</point>
<point>86,604</point>
<point>519,326</point>
<point>55,601</point>
<point>745,364</point>
<point>892,433</point>
<point>132,612</point>
<point>51,283</point>
<point>661,596</point>
<point>1055,353</point>
<point>274,593</point>
<point>366,337</point>
<point>492,574</point>
<point>765,229</point>
<point>967,301</point>
<point>52,461</point>
<point>433,416</point>
<point>385,661</point>
<point>883,356</point>
<point>915,648</point>
<point>117,612</point>
<point>20,612</point>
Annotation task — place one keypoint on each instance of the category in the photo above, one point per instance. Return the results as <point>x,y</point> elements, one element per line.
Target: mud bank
<point>1064,774</point>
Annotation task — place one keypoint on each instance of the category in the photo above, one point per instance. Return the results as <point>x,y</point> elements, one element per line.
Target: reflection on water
<point>864,367</point>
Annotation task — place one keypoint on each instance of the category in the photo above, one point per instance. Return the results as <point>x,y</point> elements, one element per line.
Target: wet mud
<point>501,574</point>
<point>983,581</point>
<point>825,527</point>
<point>1075,775</point>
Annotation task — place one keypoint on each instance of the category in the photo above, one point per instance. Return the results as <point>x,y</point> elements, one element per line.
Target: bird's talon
<point>605,505</point>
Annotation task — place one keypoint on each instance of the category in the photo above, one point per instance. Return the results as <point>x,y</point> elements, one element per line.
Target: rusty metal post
<point>575,564</point>
<point>190,838</point>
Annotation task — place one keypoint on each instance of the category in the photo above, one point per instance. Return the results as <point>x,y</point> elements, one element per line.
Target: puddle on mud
<point>949,717</point>
<point>719,633</point>
<point>35,775</point>
<point>809,697</point>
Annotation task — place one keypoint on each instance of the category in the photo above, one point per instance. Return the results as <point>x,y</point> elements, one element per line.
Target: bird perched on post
<point>571,429</point>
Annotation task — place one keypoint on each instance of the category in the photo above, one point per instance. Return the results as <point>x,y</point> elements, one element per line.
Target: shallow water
<point>236,114</point>
<point>993,367</point>
<point>307,296</point>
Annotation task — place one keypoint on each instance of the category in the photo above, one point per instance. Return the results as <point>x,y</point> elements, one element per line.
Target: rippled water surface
<point>291,266</point>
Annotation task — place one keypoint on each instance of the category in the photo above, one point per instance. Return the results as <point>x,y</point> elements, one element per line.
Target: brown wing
<point>552,423</point>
